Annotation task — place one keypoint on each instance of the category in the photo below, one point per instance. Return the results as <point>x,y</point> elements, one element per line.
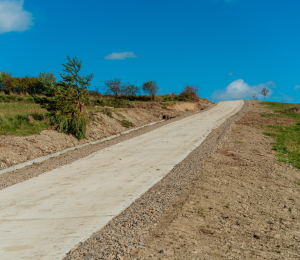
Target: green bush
<point>189,93</point>
<point>126,123</point>
<point>65,100</point>
<point>151,88</point>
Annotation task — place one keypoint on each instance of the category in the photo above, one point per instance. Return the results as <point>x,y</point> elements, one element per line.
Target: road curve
<point>44,217</point>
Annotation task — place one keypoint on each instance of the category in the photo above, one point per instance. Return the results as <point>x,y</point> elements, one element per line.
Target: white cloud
<point>238,89</point>
<point>230,73</point>
<point>296,87</point>
<point>13,17</point>
<point>120,55</point>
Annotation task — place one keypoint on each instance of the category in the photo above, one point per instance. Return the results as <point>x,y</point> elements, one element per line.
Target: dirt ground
<point>243,204</point>
<point>16,149</point>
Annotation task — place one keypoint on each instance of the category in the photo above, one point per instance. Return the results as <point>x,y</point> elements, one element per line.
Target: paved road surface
<point>44,217</point>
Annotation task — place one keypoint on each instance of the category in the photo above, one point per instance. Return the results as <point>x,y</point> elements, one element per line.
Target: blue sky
<point>230,49</point>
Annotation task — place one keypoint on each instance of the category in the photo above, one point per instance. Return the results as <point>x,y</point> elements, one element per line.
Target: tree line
<point>65,100</point>
<point>114,87</point>
<point>35,85</point>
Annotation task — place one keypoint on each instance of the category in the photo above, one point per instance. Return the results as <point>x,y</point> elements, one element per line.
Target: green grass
<point>107,112</point>
<point>282,110</point>
<point>16,98</point>
<point>11,109</point>
<point>17,124</point>
<point>287,138</point>
<point>279,107</point>
<point>126,123</point>
<point>119,114</point>
<point>13,119</point>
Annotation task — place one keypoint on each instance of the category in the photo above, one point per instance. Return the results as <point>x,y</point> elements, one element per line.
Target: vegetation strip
<point>285,133</point>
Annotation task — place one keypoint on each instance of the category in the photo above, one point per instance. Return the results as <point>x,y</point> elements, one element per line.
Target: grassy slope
<point>13,119</point>
<point>14,110</point>
<point>287,137</point>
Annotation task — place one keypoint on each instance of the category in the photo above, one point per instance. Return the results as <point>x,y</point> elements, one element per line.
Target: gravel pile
<point>128,230</point>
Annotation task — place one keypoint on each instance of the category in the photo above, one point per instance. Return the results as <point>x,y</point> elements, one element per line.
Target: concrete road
<point>44,217</point>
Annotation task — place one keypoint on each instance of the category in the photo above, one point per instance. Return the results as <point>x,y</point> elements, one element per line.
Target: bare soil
<point>15,149</point>
<point>243,203</point>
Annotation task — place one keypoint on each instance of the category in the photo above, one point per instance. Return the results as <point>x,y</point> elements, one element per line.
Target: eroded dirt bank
<point>15,149</point>
<point>243,204</point>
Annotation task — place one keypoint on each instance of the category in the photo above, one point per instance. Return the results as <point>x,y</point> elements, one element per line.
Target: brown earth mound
<point>184,107</point>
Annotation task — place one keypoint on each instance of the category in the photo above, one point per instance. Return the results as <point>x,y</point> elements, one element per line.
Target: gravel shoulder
<point>242,203</point>
<point>128,232</point>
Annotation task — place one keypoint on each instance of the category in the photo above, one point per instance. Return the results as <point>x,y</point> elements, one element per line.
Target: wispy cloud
<point>13,17</point>
<point>296,87</point>
<point>120,56</point>
<point>239,89</point>
<point>230,73</point>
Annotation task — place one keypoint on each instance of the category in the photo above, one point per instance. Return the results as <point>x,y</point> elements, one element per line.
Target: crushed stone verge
<point>127,232</point>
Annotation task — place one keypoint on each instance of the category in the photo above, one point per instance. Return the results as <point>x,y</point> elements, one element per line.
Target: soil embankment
<point>15,149</point>
<point>243,204</point>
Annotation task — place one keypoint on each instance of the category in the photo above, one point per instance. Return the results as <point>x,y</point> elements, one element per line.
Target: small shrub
<point>151,88</point>
<point>126,123</point>
<point>107,112</point>
<point>65,100</point>
<point>189,93</point>
<point>270,134</point>
<point>113,87</point>
<point>168,98</point>
<point>20,99</point>
<point>129,90</point>
<point>120,115</point>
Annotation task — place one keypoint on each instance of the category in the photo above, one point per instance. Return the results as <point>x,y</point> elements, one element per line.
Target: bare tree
<point>129,90</point>
<point>264,92</point>
<point>113,87</point>
<point>254,96</point>
<point>151,88</point>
